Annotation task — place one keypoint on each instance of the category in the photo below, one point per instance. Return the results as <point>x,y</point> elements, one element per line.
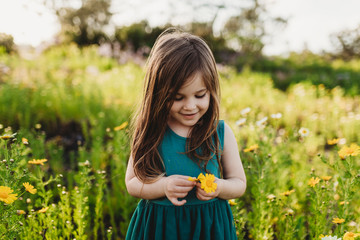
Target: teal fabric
<point>159,219</point>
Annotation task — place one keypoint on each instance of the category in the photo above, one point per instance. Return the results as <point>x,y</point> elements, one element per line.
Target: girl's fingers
<point>202,195</point>
<point>176,202</point>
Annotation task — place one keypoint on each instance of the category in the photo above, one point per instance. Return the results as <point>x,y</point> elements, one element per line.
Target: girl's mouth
<point>188,116</point>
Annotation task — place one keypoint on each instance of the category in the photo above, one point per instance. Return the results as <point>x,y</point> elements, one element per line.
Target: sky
<point>310,22</point>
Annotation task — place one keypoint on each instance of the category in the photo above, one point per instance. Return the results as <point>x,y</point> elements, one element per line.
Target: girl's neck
<point>180,130</point>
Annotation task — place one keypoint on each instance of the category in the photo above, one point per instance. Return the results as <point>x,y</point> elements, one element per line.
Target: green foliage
<point>7,43</point>
<point>82,25</point>
<point>138,35</point>
<point>312,68</point>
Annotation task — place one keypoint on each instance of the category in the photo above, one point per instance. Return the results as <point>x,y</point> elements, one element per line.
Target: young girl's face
<point>190,104</point>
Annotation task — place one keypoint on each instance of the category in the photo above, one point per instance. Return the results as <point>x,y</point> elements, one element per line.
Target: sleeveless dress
<point>159,219</point>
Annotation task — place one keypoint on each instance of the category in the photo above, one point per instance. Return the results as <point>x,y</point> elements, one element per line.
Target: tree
<point>247,30</point>
<point>347,43</point>
<point>82,21</point>
<point>7,42</point>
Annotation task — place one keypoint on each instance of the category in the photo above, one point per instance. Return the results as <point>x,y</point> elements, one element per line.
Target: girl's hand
<point>204,196</point>
<point>177,186</point>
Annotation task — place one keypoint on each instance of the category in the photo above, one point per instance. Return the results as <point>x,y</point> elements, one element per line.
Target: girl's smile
<point>190,104</point>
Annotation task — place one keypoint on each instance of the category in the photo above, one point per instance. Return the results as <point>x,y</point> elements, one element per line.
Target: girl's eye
<point>178,98</point>
<point>201,96</point>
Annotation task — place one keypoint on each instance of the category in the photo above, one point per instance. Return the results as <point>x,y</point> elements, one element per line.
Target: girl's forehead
<point>194,80</point>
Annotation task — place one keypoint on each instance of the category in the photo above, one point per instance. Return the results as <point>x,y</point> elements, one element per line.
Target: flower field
<point>64,144</point>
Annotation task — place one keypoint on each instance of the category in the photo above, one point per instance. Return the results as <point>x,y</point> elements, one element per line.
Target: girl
<point>177,135</point>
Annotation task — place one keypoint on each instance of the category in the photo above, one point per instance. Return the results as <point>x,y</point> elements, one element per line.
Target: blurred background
<point>270,27</point>
<point>246,32</point>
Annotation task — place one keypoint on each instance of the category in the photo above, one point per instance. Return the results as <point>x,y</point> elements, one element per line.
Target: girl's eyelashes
<point>201,96</point>
<point>179,98</point>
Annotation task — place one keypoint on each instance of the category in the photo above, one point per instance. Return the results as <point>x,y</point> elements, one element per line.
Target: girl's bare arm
<point>233,185</point>
<point>173,187</point>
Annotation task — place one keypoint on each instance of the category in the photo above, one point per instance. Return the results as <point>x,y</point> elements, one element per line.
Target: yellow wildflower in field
<point>232,202</point>
<point>287,193</point>
<point>252,148</point>
<point>345,151</point>
<point>326,178</point>
<point>24,141</point>
<point>20,212</point>
<point>38,161</point>
<point>43,210</point>
<point>343,203</point>
<point>350,236</point>
<point>6,195</point>
<point>338,220</point>
<point>122,126</point>
<point>333,141</point>
<point>30,188</point>
<point>313,181</point>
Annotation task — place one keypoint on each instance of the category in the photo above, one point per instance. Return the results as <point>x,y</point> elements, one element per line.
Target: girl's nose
<point>189,105</point>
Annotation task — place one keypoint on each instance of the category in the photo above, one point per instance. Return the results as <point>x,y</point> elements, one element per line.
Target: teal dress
<point>159,219</point>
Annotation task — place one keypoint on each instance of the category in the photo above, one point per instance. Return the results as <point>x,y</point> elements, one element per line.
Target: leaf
<point>347,174</point>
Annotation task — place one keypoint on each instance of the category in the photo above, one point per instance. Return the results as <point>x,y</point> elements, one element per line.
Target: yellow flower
<point>333,141</point>
<point>207,182</point>
<point>350,236</point>
<point>251,148</point>
<point>326,178</point>
<point>122,126</point>
<point>345,151</point>
<point>232,202</point>
<point>25,141</point>
<point>30,188</point>
<point>6,195</point>
<point>313,181</point>
<point>193,179</point>
<point>38,161</point>
<point>343,203</point>
<point>287,193</point>
<point>20,212</point>
<point>43,210</point>
<point>338,220</point>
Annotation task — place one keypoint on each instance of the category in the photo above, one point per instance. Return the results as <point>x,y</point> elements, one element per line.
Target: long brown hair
<point>175,57</point>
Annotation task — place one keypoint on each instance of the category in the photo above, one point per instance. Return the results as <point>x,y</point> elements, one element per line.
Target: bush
<point>7,41</point>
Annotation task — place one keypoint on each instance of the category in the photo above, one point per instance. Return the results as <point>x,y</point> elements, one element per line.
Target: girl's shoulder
<point>220,129</point>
